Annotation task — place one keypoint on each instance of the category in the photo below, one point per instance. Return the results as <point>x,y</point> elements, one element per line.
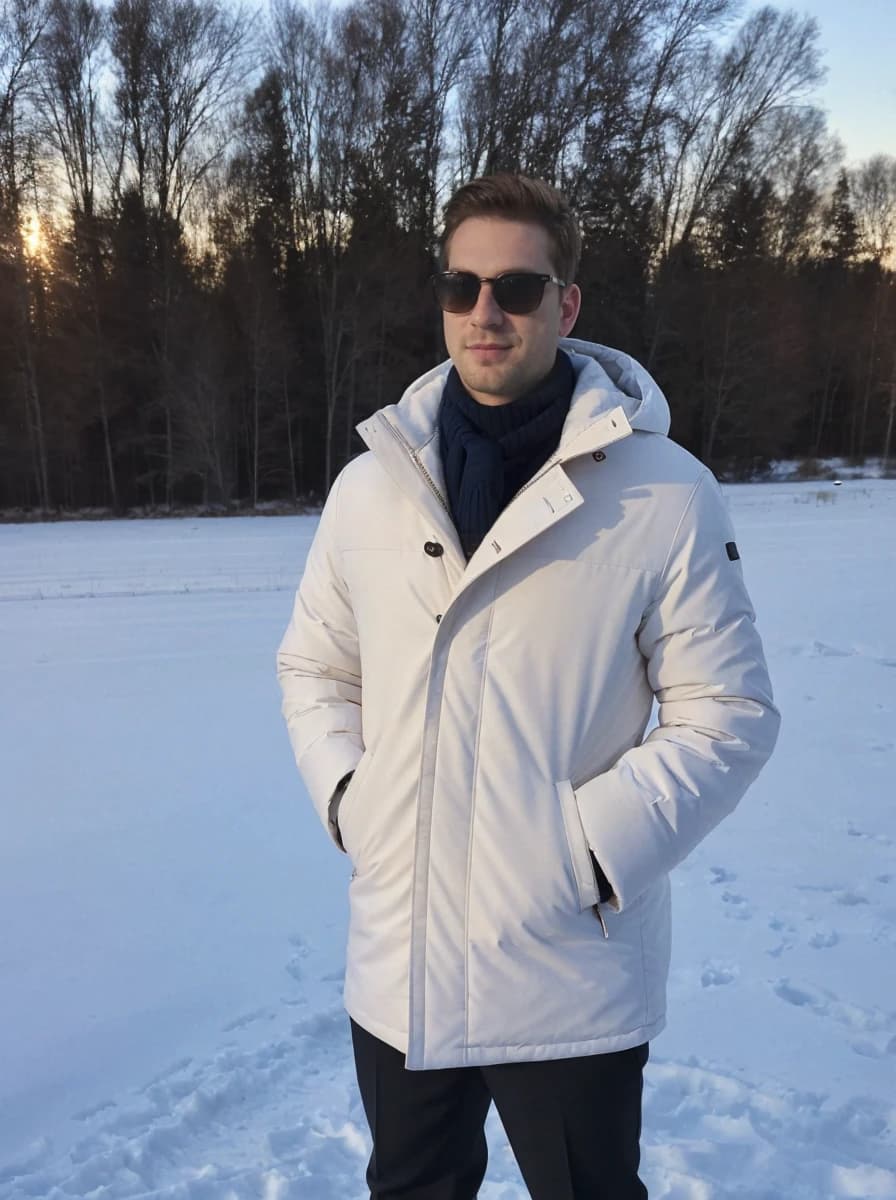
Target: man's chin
<point>490,386</point>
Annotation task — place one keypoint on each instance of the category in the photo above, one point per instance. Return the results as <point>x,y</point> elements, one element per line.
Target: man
<point>494,597</point>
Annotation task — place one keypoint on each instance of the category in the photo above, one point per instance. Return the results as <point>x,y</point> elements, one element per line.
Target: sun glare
<point>34,241</point>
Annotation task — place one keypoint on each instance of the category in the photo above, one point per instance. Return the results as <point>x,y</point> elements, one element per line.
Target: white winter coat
<point>493,712</point>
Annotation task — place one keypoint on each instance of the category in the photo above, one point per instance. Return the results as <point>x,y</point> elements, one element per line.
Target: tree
<point>73,53</point>
<point>841,241</point>
<point>872,189</point>
<point>723,98</point>
<point>178,67</point>
<point>21,25</point>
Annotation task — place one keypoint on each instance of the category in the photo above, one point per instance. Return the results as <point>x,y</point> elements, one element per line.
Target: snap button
<point>438,617</point>
<point>434,549</point>
<point>598,456</point>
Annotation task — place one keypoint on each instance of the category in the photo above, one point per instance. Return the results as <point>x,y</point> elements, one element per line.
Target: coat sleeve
<point>717,723</point>
<point>319,669</point>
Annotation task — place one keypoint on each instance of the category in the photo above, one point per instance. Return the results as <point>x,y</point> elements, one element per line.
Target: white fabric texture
<point>493,746</point>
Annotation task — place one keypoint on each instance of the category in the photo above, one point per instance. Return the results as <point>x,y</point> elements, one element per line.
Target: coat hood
<point>606,379</point>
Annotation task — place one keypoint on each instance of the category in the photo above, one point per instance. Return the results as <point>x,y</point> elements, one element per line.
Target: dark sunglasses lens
<point>518,294</point>
<point>456,291</point>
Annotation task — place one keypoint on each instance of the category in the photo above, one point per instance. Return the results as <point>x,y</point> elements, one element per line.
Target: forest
<point>217,226</point>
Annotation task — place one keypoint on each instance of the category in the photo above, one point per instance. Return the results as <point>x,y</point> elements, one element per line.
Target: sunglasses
<point>516,292</point>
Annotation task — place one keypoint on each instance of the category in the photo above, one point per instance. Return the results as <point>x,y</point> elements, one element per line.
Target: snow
<point>172,918</point>
<point>792,469</point>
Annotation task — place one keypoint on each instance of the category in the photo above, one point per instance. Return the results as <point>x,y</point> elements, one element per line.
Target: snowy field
<point>172,918</point>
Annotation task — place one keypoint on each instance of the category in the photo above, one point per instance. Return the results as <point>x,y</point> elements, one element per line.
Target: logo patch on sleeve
<point>733,552</point>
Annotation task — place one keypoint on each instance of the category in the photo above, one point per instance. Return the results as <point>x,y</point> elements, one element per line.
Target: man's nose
<point>486,313</point>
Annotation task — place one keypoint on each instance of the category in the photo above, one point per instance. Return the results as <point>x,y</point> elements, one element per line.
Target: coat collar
<point>606,379</point>
<point>613,396</point>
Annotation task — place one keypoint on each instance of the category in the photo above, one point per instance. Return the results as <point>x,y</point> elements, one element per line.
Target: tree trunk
<point>888,438</point>
<point>350,409</point>
<point>255,403</point>
<point>869,368</point>
<point>719,396</point>
<point>100,351</point>
<point>289,445</point>
<point>826,401</point>
<point>33,403</point>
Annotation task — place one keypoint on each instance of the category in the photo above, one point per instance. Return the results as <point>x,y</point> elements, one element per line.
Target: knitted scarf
<point>490,451</point>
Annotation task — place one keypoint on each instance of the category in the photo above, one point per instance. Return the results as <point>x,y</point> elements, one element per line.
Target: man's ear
<point>570,303</point>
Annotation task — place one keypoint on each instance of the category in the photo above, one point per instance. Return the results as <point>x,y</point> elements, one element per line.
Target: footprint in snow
<point>717,974</point>
<point>798,997</point>
<point>781,948</point>
<point>880,838</point>
<point>824,939</point>
<point>301,951</point>
<point>706,1132</point>
<point>249,1018</point>
<point>721,875</point>
<point>823,650</point>
<point>737,907</point>
<point>330,1023</point>
<point>884,935</point>
<point>777,925</point>
<point>869,1050</point>
<point>875,1026</point>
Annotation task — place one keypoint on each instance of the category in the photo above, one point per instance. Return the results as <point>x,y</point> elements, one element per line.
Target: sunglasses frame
<point>493,280</point>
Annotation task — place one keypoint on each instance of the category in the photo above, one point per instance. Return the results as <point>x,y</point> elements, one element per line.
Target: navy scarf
<point>490,451</point>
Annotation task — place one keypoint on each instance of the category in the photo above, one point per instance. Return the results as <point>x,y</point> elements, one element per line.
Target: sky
<point>859,40</point>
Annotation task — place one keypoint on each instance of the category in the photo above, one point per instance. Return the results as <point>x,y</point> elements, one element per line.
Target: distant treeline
<point>217,226</point>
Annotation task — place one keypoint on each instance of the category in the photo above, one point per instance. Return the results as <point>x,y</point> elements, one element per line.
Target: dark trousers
<point>574,1124</point>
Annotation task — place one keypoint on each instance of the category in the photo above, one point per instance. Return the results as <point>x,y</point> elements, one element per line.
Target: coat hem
<point>392,1037</point>
<point>486,1056</point>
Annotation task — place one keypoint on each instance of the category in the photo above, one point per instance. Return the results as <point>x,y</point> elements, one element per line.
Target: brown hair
<point>518,198</point>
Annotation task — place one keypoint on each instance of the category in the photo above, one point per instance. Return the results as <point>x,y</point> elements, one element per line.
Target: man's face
<point>499,356</point>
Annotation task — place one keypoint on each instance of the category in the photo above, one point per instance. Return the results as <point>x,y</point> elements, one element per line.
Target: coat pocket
<point>579,852</point>
<point>347,812</point>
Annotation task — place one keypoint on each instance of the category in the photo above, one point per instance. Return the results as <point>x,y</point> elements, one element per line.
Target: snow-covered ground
<point>172,918</point>
<point>801,469</point>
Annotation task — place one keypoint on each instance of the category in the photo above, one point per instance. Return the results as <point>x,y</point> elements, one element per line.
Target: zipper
<point>600,916</point>
<point>551,462</point>
<point>400,438</point>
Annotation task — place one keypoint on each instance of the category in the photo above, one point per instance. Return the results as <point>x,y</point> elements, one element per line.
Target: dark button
<point>598,456</point>
<point>434,549</point>
<point>438,617</point>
